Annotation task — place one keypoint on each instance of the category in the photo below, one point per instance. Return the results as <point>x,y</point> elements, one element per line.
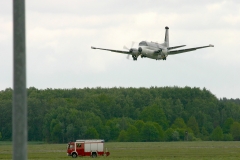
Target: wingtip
<point>93,47</point>
<point>210,45</point>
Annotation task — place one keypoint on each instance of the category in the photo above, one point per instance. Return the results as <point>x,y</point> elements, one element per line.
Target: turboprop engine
<point>134,51</point>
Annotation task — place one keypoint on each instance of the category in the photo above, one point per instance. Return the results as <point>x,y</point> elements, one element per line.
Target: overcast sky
<point>60,33</point>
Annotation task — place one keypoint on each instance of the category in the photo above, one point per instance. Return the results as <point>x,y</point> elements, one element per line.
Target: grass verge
<point>137,150</point>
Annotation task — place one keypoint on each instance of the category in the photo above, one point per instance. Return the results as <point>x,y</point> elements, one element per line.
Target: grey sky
<point>60,34</point>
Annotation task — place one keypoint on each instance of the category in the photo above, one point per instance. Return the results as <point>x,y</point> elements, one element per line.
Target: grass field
<point>137,150</point>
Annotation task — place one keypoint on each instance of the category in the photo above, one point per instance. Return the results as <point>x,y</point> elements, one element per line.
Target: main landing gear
<point>134,57</point>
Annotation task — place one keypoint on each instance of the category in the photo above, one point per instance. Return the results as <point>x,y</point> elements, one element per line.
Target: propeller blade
<point>130,50</point>
<point>132,44</point>
<point>124,47</point>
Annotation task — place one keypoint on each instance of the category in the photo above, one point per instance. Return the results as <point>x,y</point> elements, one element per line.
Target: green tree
<point>208,125</point>
<point>169,134</point>
<point>139,124</point>
<point>0,135</point>
<point>91,133</point>
<point>175,136</point>
<point>35,118</point>
<point>122,136</point>
<point>227,125</point>
<point>235,131</point>
<point>192,123</point>
<point>160,131</point>
<point>58,115</point>
<point>204,134</point>
<point>70,132</point>
<point>6,115</point>
<point>149,133</point>
<point>132,134</point>
<point>217,134</point>
<point>182,133</point>
<point>155,114</point>
<point>118,124</point>
<point>227,137</point>
<point>177,109</point>
<point>106,133</point>
<point>56,131</point>
<point>179,123</point>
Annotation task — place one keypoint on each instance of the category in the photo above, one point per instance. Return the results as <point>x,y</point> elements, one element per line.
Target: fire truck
<point>91,148</point>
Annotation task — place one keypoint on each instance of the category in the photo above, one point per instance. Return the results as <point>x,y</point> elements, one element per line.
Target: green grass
<point>137,150</point>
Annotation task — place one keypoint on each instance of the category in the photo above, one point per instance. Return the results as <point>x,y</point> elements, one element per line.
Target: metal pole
<point>19,114</point>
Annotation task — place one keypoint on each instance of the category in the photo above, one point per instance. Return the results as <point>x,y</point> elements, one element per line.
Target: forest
<point>124,114</point>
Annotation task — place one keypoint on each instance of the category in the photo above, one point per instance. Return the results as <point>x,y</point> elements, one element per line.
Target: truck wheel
<point>74,155</point>
<point>94,155</point>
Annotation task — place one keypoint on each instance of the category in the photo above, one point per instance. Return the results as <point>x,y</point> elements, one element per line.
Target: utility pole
<point>19,109</point>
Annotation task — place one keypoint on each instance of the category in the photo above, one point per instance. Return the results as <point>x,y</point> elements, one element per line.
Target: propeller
<point>130,50</point>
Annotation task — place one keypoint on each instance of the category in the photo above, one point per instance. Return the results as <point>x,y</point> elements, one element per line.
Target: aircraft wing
<point>118,51</point>
<point>170,48</point>
<point>187,50</point>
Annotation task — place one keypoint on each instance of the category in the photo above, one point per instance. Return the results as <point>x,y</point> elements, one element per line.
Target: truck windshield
<point>70,146</point>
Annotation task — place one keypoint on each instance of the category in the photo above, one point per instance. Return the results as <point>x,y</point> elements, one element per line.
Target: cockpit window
<point>143,43</point>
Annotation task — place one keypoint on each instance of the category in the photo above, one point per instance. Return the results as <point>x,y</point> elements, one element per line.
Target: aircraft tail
<point>166,40</point>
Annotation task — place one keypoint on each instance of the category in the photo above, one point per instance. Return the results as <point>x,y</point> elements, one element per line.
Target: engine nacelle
<point>164,53</point>
<point>134,51</point>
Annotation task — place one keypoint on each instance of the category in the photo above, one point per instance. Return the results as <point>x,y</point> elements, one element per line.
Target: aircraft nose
<point>139,49</point>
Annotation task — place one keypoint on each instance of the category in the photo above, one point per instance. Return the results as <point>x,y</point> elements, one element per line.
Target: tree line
<point>124,114</point>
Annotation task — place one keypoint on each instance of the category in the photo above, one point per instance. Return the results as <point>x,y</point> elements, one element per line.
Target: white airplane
<point>154,50</point>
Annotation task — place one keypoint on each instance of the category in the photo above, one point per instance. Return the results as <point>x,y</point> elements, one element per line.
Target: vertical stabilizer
<point>166,40</point>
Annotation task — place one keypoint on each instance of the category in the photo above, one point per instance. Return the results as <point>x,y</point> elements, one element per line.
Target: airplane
<point>154,50</point>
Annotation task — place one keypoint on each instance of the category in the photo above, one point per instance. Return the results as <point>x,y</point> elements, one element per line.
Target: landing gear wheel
<point>134,58</point>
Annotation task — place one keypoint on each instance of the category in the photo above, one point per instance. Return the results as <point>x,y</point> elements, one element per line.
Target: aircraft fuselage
<point>153,50</point>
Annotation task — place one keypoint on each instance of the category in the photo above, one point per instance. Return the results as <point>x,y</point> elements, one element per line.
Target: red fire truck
<point>91,148</point>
